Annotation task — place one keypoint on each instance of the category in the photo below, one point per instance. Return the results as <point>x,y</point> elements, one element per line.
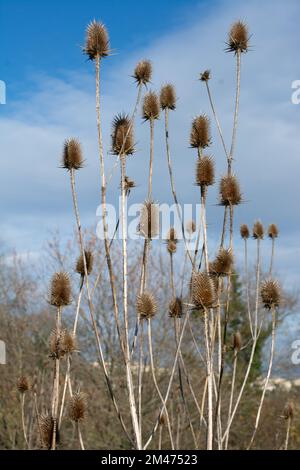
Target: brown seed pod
<point>175,308</point>
<point>149,220</point>
<point>205,76</point>
<point>72,155</point>
<point>143,72</point>
<point>288,412</point>
<point>200,132</point>
<point>89,259</point>
<point>23,384</point>
<point>244,231</point>
<point>97,41</point>
<point>222,265</point>
<point>60,291</point>
<point>129,185</point>
<point>67,342</point>
<point>230,193</point>
<point>191,227</point>
<point>171,247</point>
<point>77,407</point>
<point>258,230</point>
<point>238,38</point>
<point>203,290</point>
<point>172,235</point>
<point>273,231</point>
<point>122,135</point>
<point>146,305</point>
<point>46,426</point>
<point>270,294</point>
<point>150,106</point>
<point>205,171</point>
<point>236,341</point>
<point>168,97</point>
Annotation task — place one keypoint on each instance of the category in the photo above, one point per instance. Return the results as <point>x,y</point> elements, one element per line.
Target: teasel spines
<point>171,246</point>
<point>223,263</point>
<point>236,341</point>
<point>168,97</point>
<point>191,227</point>
<point>149,220</point>
<point>176,308</point>
<point>72,155</point>
<point>46,426</point>
<point>230,192</point>
<point>77,407</point>
<point>143,72</point>
<point>61,343</point>
<point>23,384</point>
<point>205,171</point>
<point>244,231</point>
<point>200,132</point>
<point>205,76</point>
<point>68,342</point>
<point>89,259</point>
<point>258,230</point>
<point>238,38</point>
<point>97,41</point>
<point>203,290</point>
<point>60,290</point>
<point>270,294</point>
<point>151,107</point>
<point>146,305</point>
<point>273,231</point>
<point>288,412</point>
<point>122,135</point>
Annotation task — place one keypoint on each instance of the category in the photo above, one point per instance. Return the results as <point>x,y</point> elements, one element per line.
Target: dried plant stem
<point>247,286</point>
<point>224,227</point>
<point>55,393</point>
<point>272,257</point>
<point>236,111</point>
<point>288,428</point>
<point>37,416</point>
<point>140,376</point>
<point>23,419</point>
<point>216,117</point>
<point>80,436</point>
<point>172,274</point>
<point>235,356</point>
<point>151,158</point>
<point>160,436</point>
<point>209,436</point>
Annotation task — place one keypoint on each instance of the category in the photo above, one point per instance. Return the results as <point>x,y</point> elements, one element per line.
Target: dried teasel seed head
<point>237,341</point>
<point>203,290</point>
<point>230,192</point>
<point>205,76</point>
<point>205,171</point>
<point>273,231</point>
<point>67,342</point>
<point>97,41</point>
<point>60,291</point>
<point>146,305</point>
<point>143,72</point>
<point>223,263</point>
<point>191,227</point>
<point>122,135</point>
<point>288,412</point>
<point>258,230</point>
<point>72,155</point>
<point>244,231</point>
<point>23,384</point>
<point>172,235</point>
<point>168,97</point>
<point>270,294</point>
<point>46,425</point>
<point>150,106</point>
<point>77,407</point>
<point>171,247</point>
<point>238,38</point>
<point>149,220</point>
<point>89,260</point>
<point>200,132</point>
<point>129,185</point>
<point>176,308</point>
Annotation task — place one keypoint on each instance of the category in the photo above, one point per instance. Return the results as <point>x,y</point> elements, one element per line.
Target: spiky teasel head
<point>236,341</point>
<point>200,132</point>
<point>258,230</point>
<point>191,227</point>
<point>273,231</point>
<point>289,409</point>
<point>205,171</point>
<point>77,407</point>
<point>46,425</point>
<point>60,290</point>
<point>72,155</point>
<point>270,293</point>
<point>230,192</point>
<point>150,106</point>
<point>223,263</point>
<point>129,185</point>
<point>171,247</point>
<point>244,231</point>
<point>146,305</point>
<point>168,97</point>
<point>143,72</point>
<point>176,308</point>
<point>61,343</point>
<point>205,76</point>
<point>97,41</point>
<point>149,220</point>
<point>122,135</point>
<point>89,260</point>
<point>203,290</point>
<point>23,384</point>
<point>67,342</point>
<point>238,38</point>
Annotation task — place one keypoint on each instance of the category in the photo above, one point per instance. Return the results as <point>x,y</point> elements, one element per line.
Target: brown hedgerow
<point>237,341</point>
<point>238,38</point>
<point>149,220</point>
<point>175,308</point>
<point>244,231</point>
<point>273,231</point>
<point>77,407</point>
<point>168,97</point>
<point>97,41</point>
<point>222,265</point>
<point>258,230</point>
<point>23,384</point>
<point>203,290</point>
<point>150,106</point>
<point>129,185</point>
<point>146,305</point>
<point>205,171</point>
<point>205,76</point>
<point>288,412</point>
<point>200,132</point>
<point>89,259</point>
<point>143,72</point>
<point>122,135</point>
<point>230,192</point>
<point>72,155</point>
<point>270,293</point>
<point>46,426</point>
<point>171,247</point>
<point>191,227</point>
<point>60,291</point>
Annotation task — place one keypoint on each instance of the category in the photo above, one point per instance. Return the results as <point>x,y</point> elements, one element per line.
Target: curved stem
<point>23,419</point>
